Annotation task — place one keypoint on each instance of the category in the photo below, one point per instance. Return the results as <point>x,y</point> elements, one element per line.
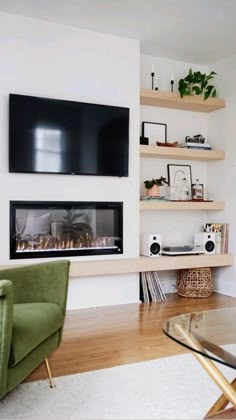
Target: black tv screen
<point>67,137</point>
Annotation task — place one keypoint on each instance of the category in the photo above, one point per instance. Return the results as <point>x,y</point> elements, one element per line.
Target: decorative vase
<point>154,191</point>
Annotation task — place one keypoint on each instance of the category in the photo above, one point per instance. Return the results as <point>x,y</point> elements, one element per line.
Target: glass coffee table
<point>204,333</point>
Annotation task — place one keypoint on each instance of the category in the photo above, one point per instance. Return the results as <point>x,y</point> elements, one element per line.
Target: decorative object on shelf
<point>153,186</point>
<point>167,144</point>
<point>197,191</point>
<point>152,75</point>
<point>196,146</point>
<point>154,131</point>
<point>172,83</point>
<point>156,84</point>
<point>196,142</point>
<point>198,138</point>
<point>197,83</point>
<point>194,282</point>
<point>144,140</point>
<point>180,182</point>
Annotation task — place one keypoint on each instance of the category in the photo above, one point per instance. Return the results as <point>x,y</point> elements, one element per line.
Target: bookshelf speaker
<point>150,245</point>
<point>205,240</point>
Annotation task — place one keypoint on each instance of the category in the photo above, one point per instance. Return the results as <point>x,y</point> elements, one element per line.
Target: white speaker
<point>150,245</point>
<point>207,241</point>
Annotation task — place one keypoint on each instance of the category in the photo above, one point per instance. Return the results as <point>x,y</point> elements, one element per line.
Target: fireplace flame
<point>49,243</point>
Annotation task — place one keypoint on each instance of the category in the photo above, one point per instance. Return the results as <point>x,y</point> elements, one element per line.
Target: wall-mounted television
<point>66,137</point>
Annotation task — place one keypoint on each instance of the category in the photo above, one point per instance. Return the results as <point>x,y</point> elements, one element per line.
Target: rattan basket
<point>194,282</point>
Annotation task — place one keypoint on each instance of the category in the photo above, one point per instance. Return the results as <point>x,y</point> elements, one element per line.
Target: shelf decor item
<point>154,131</point>
<point>197,191</point>
<point>197,83</point>
<point>180,182</point>
<point>152,75</point>
<point>153,186</point>
<point>194,282</point>
<point>172,81</point>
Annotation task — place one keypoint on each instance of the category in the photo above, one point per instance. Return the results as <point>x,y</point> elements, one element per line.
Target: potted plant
<point>72,228</point>
<point>197,83</point>
<point>153,186</point>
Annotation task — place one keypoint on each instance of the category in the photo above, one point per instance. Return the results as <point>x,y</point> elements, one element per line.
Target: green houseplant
<point>153,186</point>
<point>197,83</point>
<point>73,228</point>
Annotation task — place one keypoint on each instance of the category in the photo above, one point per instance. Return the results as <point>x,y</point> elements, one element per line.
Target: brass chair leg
<point>49,373</point>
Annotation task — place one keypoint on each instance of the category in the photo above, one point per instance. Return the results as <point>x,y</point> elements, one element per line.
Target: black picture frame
<point>154,131</point>
<point>176,173</point>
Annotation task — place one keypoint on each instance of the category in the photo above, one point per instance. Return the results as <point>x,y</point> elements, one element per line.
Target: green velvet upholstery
<point>32,324</point>
<point>32,311</point>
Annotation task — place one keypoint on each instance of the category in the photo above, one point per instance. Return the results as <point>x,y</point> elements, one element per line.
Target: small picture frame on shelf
<point>154,131</point>
<point>180,182</point>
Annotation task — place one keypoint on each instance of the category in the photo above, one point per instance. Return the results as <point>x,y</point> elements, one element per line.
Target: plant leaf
<point>209,91</point>
<point>197,90</point>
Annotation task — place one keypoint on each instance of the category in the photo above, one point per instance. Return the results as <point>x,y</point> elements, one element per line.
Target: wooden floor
<point>108,336</point>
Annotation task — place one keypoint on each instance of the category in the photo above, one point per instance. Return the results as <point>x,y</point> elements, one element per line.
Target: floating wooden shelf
<point>179,153</point>
<point>140,264</point>
<point>174,100</point>
<point>136,265</point>
<point>181,205</point>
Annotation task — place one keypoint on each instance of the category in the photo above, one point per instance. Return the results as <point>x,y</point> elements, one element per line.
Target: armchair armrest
<point>6,319</point>
<point>45,282</point>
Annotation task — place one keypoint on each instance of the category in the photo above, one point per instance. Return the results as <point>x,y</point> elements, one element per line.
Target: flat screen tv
<point>67,137</point>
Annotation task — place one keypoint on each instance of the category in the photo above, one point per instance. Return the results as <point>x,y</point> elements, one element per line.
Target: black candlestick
<point>152,74</point>
<point>156,87</point>
<point>172,85</point>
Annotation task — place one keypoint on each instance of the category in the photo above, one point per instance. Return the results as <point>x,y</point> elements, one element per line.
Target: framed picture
<point>154,131</point>
<point>180,182</point>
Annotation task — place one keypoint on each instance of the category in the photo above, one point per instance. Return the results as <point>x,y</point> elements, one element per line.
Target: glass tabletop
<point>207,333</point>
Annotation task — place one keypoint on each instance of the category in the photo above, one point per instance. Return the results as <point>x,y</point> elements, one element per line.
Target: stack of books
<point>150,287</point>
<point>192,145</point>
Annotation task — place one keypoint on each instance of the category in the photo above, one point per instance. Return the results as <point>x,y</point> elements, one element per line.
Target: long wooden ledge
<point>138,265</point>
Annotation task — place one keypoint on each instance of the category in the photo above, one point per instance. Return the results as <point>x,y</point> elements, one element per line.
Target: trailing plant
<point>197,83</point>
<point>159,181</point>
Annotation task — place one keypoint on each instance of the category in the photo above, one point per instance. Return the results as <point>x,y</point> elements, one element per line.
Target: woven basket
<point>194,282</point>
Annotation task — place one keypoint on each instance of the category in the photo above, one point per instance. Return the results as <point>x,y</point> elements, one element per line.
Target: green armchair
<point>32,312</point>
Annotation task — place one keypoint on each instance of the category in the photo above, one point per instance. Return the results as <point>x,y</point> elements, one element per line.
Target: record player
<point>182,250</point>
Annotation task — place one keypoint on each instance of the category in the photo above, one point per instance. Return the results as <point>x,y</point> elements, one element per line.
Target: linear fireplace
<point>60,229</point>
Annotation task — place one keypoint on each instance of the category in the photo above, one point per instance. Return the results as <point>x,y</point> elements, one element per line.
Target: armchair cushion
<point>32,324</point>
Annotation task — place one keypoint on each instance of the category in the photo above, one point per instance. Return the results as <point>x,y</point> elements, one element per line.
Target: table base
<point>217,411</point>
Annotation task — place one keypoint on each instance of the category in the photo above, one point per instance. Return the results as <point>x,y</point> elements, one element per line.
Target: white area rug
<point>169,388</point>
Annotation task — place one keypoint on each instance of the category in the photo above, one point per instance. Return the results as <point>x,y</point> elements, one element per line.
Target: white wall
<point>44,59</point>
<point>222,130</point>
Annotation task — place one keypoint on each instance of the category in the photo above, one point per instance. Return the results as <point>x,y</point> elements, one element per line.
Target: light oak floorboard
<point>104,337</point>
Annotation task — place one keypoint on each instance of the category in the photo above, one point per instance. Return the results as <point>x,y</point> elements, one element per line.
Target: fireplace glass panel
<point>61,229</point>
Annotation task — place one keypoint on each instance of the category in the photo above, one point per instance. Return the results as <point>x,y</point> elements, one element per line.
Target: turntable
<point>182,250</point>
